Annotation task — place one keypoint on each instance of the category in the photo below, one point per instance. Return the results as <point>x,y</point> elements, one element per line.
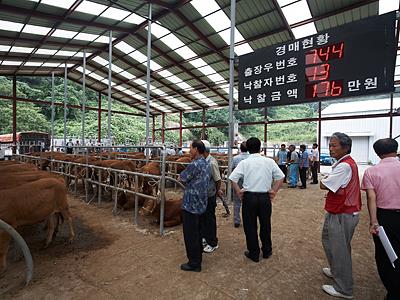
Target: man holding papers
<point>382,184</point>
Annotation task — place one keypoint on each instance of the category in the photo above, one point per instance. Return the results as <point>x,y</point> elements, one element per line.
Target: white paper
<point>387,245</point>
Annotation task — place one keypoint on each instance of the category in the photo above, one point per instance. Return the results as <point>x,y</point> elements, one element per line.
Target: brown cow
<point>172,212</point>
<point>32,203</point>
<point>12,180</point>
<point>15,168</point>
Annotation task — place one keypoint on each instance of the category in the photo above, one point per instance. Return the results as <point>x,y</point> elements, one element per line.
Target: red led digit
<point>338,49</point>
<point>319,72</point>
<point>323,53</point>
<point>324,72</point>
<point>312,57</point>
<point>314,94</point>
<point>336,90</point>
<point>327,87</point>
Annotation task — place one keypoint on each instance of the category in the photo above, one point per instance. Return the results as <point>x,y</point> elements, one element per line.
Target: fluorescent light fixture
<point>186,52</point>
<point>100,60</point>
<point>90,7</point>
<point>124,47</point>
<point>172,41</point>
<point>4,48</point>
<point>65,53</point>
<point>127,75</point>
<point>21,49</point>
<point>216,78</point>
<point>115,13</point>
<point>86,37</point>
<point>137,55</point>
<point>218,20</point>
<point>63,4</point>
<point>33,29</point>
<point>134,19</point>
<point>165,73</point>
<point>158,30</point>
<point>120,88</point>
<point>304,30</point>
<point>297,12</point>
<point>154,66</point>
<point>55,65</point>
<point>96,76</point>
<point>205,7</point>
<point>66,34</point>
<point>33,64</point>
<point>184,86</point>
<point>11,63</point>
<point>10,26</point>
<point>386,6</point>
<point>116,69</point>
<point>46,51</point>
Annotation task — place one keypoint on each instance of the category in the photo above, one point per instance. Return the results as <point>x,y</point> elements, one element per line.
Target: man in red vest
<point>342,204</point>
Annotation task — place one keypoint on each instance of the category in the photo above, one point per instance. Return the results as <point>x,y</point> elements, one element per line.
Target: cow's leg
<point>4,244</point>
<point>68,218</point>
<point>51,225</point>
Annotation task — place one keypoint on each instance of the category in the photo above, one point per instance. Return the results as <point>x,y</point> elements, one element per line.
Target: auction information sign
<point>351,60</point>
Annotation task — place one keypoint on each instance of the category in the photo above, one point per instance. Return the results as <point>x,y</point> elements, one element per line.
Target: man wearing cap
<point>208,219</point>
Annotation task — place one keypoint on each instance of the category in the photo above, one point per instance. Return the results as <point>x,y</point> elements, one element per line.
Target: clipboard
<point>387,245</point>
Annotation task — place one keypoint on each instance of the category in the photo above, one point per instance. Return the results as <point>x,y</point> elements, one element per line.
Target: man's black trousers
<point>303,176</point>
<point>390,221</point>
<point>314,171</point>
<point>209,222</point>
<point>257,205</point>
<point>192,237</point>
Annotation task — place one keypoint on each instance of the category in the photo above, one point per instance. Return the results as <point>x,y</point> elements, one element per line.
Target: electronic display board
<point>351,60</point>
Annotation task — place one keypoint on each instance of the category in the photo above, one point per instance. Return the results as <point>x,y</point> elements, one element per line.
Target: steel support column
<point>52,111</point>
<point>109,87</point>
<point>65,107</point>
<point>148,79</point>
<point>265,129</point>
<point>319,131</point>
<point>231,83</point>
<point>203,126</point>
<point>99,120</point>
<point>83,98</point>
<point>163,128</point>
<point>180,128</point>
<point>14,114</point>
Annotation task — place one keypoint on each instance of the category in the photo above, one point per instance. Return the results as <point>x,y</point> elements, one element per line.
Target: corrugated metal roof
<point>258,21</point>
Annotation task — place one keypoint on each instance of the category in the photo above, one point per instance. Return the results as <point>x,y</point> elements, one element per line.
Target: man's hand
<point>272,194</point>
<point>373,229</point>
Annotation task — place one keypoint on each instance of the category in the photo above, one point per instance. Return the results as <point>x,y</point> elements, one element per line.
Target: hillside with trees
<point>126,128</point>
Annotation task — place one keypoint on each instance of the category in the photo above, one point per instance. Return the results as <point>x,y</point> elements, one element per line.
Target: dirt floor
<point>111,258</point>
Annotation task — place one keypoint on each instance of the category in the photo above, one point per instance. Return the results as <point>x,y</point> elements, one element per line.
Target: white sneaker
<point>327,272</point>
<point>209,249</point>
<point>329,289</point>
<point>204,242</point>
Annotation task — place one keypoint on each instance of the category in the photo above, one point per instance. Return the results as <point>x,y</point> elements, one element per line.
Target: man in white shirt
<point>315,163</point>
<point>262,179</point>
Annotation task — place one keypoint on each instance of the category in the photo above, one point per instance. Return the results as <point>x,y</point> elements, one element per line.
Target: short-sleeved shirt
<point>339,177</point>
<point>258,173</point>
<point>282,157</point>
<point>315,155</point>
<point>294,157</point>
<point>384,179</point>
<point>215,175</point>
<point>304,159</point>
<point>196,178</point>
<point>236,160</point>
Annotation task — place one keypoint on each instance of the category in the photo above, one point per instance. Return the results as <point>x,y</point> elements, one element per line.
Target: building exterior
<point>364,132</point>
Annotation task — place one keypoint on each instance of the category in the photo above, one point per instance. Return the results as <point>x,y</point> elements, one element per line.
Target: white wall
<point>375,128</point>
